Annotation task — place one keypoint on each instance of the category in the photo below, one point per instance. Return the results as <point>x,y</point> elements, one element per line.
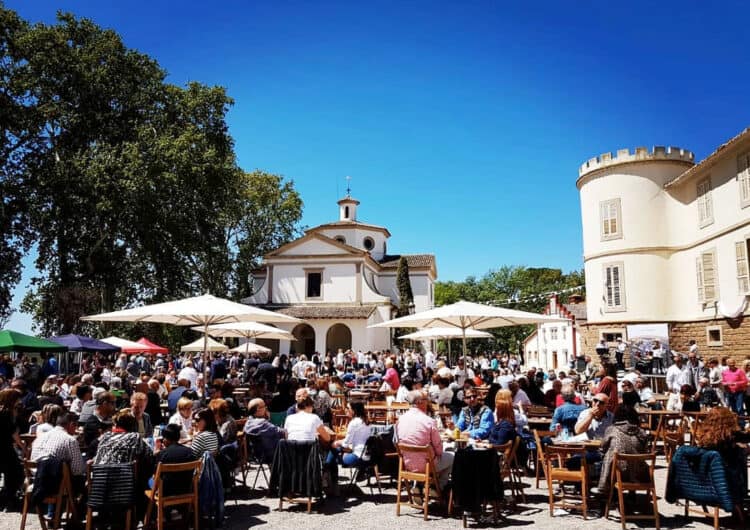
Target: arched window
<point>369,243</point>
<point>346,212</point>
<point>341,239</point>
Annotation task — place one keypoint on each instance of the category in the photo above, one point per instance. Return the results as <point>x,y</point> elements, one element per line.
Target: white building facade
<point>339,279</point>
<point>665,240</point>
<point>552,344</point>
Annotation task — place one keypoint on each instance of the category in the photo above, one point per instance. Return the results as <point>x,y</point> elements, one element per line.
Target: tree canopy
<point>127,185</point>
<point>516,287</point>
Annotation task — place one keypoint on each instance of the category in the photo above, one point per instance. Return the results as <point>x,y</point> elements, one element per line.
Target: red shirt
<point>735,381</point>
<point>391,377</point>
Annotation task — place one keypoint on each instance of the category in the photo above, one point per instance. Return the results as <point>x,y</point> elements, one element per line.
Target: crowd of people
<point>162,408</point>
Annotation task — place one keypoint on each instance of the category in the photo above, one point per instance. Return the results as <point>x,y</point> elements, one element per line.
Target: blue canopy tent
<point>79,343</point>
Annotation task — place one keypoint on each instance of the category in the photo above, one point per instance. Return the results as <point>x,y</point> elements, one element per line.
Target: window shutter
<point>608,286</point>
<point>743,176</point>
<point>604,214</point>
<point>616,286</point>
<point>709,276</point>
<point>699,278</point>
<point>740,248</point>
<point>613,217</point>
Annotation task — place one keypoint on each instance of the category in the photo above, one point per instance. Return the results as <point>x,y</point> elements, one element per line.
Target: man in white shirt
<point>189,373</point>
<point>429,359</point>
<point>461,374</point>
<point>520,399</point>
<point>675,374</point>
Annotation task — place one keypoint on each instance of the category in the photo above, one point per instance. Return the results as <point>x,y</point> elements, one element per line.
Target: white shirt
<point>675,378</point>
<point>429,359</point>
<point>462,374</point>
<point>184,423</point>
<point>191,374</point>
<point>302,426</point>
<point>357,433</point>
<point>521,399</point>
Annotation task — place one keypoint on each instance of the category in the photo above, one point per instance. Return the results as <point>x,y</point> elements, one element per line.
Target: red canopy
<point>150,347</point>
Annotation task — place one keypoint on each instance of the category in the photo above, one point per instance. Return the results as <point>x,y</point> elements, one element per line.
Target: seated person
<point>684,401</point>
<point>475,419</point>
<point>504,429</point>
<point>305,426</point>
<point>623,436</point>
<point>707,395</point>
<point>566,415</point>
<point>629,395</point>
<point>350,450</point>
<point>173,452</point>
<point>645,394</point>
<point>415,427</point>
<point>592,424</point>
<point>263,434</point>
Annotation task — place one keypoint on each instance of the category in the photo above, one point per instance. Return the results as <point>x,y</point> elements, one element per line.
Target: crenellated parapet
<point>641,154</point>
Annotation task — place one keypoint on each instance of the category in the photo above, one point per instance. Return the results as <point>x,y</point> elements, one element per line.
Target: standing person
<point>189,373</point>
<point>735,383</point>
<point>620,354</point>
<point>608,385</point>
<point>657,352</point>
<point>153,403</point>
<point>10,466</point>
<point>675,374</point>
<point>694,370</point>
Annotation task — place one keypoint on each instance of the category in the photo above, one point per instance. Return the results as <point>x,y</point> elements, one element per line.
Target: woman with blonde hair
<point>183,416</point>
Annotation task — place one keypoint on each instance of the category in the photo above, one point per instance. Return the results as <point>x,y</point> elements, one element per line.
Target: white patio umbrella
<point>202,311</point>
<point>446,333</point>
<point>203,345</point>
<point>467,315</point>
<point>248,330</point>
<point>250,347</point>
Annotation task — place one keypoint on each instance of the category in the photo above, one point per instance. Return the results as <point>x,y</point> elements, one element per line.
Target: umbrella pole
<point>449,353</point>
<point>205,347</point>
<point>463,339</point>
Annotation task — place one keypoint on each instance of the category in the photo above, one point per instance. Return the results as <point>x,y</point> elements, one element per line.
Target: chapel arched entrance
<point>304,340</point>
<point>338,336</point>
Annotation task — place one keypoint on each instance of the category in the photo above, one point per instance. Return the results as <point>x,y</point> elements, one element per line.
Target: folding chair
<point>556,458</point>
<point>157,496</point>
<point>64,495</point>
<point>539,462</point>
<point>427,477</point>
<point>371,457</point>
<point>648,460</point>
<point>254,459</point>
<point>111,486</point>
<point>509,469</point>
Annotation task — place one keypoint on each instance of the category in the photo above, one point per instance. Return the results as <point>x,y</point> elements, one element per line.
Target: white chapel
<point>339,279</point>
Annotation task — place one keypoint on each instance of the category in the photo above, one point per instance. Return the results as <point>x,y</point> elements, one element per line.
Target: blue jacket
<point>211,490</point>
<point>478,424</point>
<point>704,477</point>
<point>567,416</point>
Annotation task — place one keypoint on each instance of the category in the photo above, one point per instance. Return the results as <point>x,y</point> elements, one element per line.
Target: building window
<point>705,266</point>
<point>614,287</point>
<point>743,178</point>
<point>610,337</point>
<point>341,239</point>
<point>314,284</point>
<point>369,243</point>
<point>564,332</point>
<point>610,214</point>
<point>553,334</point>
<point>705,206</point>
<point>743,283</point>
<point>713,336</point>
<point>346,212</point>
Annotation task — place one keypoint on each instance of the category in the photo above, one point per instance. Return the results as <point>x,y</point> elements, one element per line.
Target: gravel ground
<point>358,507</point>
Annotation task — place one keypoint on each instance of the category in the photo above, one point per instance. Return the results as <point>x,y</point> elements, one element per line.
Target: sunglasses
<point>471,397</point>
<point>599,402</point>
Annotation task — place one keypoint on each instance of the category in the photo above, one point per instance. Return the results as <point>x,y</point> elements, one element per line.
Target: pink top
<point>391,377</point>
<point>414,427</point>
<point>735,380</point>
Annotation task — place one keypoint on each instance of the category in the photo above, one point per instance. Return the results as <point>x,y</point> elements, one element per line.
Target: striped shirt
<point>60,444</point>
<point>205,441</point>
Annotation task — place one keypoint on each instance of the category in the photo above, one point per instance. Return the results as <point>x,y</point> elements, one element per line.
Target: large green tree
<point>516,287</point>
<point>128,185</point>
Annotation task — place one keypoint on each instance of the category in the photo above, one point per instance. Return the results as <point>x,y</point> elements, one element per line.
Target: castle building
<point>553,344</point>
<point>339,279</point>
<point>665,240</point>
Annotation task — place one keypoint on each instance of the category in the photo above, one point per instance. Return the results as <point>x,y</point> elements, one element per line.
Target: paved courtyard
<point>358,508</point>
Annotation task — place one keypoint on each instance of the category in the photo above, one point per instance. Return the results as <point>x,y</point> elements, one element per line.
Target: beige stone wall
<point>735,337</point>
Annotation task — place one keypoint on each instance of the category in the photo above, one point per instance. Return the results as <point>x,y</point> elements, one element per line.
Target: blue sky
<point>462,124</point>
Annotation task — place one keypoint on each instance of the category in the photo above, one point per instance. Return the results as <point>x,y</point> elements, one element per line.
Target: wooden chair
<point>427,477</point>
<point>539,462</point>
<point>538,411</point>
<point>649,487</point>
<point>556,458</point>
<point>672,441</point>
<point>243,464</point>
<point>509,468</point>
<point>156,496</point>
<point>130,516</point>
<point>63,496</point>
<point>377,412</point>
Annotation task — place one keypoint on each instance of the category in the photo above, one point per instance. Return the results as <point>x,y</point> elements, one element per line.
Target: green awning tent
<point>13,341</point>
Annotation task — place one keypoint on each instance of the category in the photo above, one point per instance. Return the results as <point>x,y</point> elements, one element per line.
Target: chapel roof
<point>390,261</point>
<point>349,224</point>
<point>323,311</point>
